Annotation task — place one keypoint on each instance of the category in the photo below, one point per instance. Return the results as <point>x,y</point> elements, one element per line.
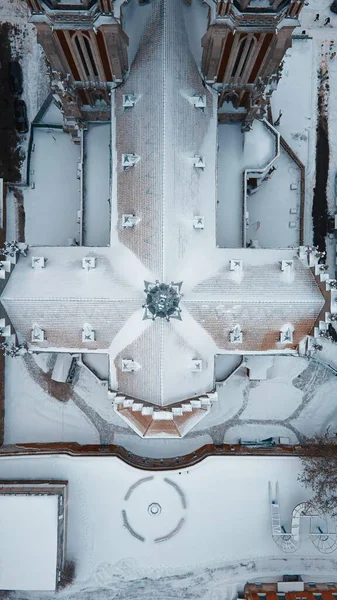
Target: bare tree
<point>319,461</point>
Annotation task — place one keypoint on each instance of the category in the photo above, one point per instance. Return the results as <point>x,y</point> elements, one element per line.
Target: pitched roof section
<point>117,275</point>
<point>260,279</point>
<point>166,131</point>
<point>63,296</point>
<point>259,297</point>
<point>63,319</point>
<point>260,323</point>
<point>165,353</point>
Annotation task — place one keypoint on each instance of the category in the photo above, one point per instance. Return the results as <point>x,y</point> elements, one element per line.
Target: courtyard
<point>52,201</point>
<point>109,500</point>
<point>96,182</point>
<point>293,402</point>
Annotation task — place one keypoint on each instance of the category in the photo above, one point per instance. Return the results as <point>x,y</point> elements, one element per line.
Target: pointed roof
<point>222,287</point>
<point>166,130</point>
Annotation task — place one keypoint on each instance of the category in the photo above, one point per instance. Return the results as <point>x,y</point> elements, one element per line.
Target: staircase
<point>173,421</point>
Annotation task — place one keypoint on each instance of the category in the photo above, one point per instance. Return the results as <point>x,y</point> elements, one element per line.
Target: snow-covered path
<point>294,402</point>
<point>223,581</point>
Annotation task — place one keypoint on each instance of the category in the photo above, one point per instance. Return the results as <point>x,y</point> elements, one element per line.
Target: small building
<point>32,534</point>
<point>291,588</point>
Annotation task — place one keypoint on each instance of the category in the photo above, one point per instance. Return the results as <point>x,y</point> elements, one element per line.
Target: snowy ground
<point>51,206</point>
<point>224,536</point>
<point>96,185</point>
<point>237,151</point>
<point>32,415</point>
<point>270,220</point>
<point>293,402</point>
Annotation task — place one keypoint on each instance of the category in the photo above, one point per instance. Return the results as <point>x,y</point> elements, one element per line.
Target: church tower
<point>243,49</point>
<point>86,48</point>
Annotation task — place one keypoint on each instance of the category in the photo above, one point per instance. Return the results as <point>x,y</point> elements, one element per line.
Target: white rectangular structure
<point>28,542</point>
<point>290,586</point>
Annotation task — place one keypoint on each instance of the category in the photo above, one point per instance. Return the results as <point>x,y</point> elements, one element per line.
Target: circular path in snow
<point>157,497</point>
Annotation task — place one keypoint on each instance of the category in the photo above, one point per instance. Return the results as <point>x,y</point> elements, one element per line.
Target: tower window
<point>251,45</point>
<point>79,49</point>
<point>91,58</point>
<point>239,55</point>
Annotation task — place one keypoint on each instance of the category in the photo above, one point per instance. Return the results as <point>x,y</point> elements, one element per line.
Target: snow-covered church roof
<point>258,296</point>
<point>238,300</point>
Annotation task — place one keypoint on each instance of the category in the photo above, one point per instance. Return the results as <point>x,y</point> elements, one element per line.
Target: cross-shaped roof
<point>166,193</point>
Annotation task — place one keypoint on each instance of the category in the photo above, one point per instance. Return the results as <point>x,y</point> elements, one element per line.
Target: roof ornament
<point>37,333</point>
<point>199,102</point>
<point>88,263</point>
<point>129,365</point>
<point>198,223</point>
<point>287,265</point>
<point>287,334</point>
<point>88,333</point>
<point>129,100</point>
<point>162,300</point>
<point>199,162</point>
<point>196,365</point>
<point>38,262</point>
<point>129,221</point>
<point>235,334</point>
<point>129,160</point>
<point>236,265</point>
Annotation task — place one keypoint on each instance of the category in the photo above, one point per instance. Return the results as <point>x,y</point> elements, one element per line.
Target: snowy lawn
<point>31,415</point>
<point>285,404</point>
<point>225,364</point>
<point>276,397</point>
<point>96,220</point>
<point>205,517</point>
<point>294,401</point>
<point>51,207</point>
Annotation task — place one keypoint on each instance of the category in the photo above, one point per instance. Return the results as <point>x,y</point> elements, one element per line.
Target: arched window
<point>85,54</point>
<point>91,58</point>
<point>81,55</point>
<point>248,54</point>
<point>239,55</point>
